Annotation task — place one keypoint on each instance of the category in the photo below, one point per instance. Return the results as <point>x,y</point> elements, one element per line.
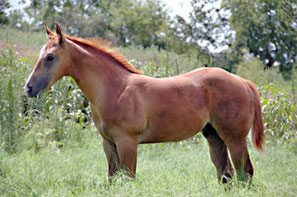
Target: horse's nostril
<point>29,88</point>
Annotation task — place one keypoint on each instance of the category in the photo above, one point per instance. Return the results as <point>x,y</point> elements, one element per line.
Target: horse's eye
<point>49,58</point>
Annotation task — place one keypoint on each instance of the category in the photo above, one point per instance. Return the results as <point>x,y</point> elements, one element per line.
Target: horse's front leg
<point>127,150</point>
<point>112,157</point>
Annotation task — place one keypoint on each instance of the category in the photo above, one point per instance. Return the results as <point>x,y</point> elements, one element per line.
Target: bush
<point>279,114</point>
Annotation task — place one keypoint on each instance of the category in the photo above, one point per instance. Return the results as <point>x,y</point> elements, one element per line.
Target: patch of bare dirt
<point>2,45</point>
<point>20,51</point>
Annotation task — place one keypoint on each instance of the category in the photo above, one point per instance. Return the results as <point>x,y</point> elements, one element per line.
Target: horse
<point>129,108</point>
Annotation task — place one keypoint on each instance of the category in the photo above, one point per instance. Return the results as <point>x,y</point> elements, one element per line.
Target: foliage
<point>279,114</point>
<point>252,69</point>
<point>268,29</point>
<point>62,113</point>
<point>264,28</point>
<point>20,119</point>
<point>154,61</point>
<point>17,20</point>
<point>124,22</point>
<point>208,24</point>
<point>11,98</point>
<point>209,28</point>
<point>4,4</point>
<point>147,23</point>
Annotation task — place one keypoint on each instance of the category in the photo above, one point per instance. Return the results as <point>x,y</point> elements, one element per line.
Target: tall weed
<point>279,114</point>
<point>12,70</point>
<point>34,123</point>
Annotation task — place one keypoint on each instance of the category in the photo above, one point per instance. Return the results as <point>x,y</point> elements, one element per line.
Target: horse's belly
<point>172,130</point>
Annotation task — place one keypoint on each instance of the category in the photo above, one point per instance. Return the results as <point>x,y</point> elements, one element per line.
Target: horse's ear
<point>60,34</point>
<point>48,31</point>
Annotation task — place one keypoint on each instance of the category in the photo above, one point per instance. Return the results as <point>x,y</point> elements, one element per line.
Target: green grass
<point>174,169</point>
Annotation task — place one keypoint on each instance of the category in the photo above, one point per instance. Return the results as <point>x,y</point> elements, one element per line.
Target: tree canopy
<point>266,28</point>
<point>4,4</point>
<point>124,22</point>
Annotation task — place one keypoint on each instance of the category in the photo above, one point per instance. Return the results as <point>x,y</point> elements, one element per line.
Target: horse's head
<point>51,64</point>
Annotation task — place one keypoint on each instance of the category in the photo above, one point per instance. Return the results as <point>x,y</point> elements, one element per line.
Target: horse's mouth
<point>37,89</point>
<point>31,94</point>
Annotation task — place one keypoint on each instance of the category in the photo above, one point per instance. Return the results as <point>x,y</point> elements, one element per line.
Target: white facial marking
<point>42,52</point>
<point>40,55</point>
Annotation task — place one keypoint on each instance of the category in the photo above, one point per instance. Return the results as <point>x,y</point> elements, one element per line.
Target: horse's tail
<point>258,137</point>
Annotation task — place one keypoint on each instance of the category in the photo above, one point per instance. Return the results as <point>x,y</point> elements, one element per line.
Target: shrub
<point>279,114</point>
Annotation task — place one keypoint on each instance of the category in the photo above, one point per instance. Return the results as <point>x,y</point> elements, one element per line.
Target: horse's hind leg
<point>241,160</point>
<point>218,153</point>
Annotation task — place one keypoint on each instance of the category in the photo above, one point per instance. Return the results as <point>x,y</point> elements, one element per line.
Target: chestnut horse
<point>130,109</point>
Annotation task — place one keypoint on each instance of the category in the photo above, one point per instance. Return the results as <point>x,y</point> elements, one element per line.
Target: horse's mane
<point>104,46</point>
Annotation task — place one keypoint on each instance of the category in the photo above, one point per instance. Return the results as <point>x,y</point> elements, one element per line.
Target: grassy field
<point>175,169</point>
<point>45,150</point>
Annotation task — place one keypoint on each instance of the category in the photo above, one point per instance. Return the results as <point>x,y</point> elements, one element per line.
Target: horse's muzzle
<point>29,90</point>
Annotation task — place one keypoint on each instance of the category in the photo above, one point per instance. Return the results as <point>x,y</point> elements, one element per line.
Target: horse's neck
<point>96,74</point>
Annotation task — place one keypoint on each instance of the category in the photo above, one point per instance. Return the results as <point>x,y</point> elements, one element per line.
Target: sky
<point>180,7</point>
<point>14,4</point>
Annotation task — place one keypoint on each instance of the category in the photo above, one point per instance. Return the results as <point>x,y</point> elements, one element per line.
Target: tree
<point>208,24</point>
<point>208,29</point>
<point>140,23</point>
<point>125,22</point>
<point>265,28</point>
<point>4,4</point>
<point>268,29</point>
